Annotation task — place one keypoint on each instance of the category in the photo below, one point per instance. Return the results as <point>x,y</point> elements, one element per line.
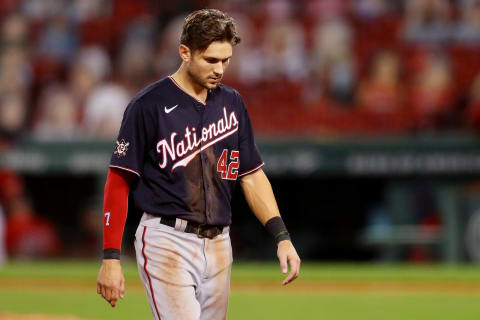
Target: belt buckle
<point>201,230</point>
<point>205,231</point>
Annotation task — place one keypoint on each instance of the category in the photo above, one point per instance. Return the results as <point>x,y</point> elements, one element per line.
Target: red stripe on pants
<point>148,275</point>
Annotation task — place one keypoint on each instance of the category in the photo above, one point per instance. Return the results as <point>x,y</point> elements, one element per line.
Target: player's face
<point>207,67</point>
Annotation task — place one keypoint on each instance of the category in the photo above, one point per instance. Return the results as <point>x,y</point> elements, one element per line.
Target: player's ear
<point>185,53</point>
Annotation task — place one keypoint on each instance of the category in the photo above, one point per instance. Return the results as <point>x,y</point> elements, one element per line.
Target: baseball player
<point>184,143</point>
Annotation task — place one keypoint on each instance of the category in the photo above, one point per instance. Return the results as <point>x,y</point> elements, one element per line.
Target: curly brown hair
<point>205,26</point>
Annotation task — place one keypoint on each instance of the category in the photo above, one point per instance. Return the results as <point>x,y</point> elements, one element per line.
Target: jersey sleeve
<point>250,159</point>
<point>133,138</point>
<point>115,208</point>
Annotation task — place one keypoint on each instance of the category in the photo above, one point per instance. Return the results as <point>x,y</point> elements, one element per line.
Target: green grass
<point>83,304</point>
<point>270,303</point>
<point>256,306</point>
<point>325,307</point>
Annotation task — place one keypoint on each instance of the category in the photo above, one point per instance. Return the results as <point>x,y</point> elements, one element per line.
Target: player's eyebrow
<point>216,59</point>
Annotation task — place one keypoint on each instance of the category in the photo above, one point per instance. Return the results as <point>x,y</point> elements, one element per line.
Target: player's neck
<point>182,78</point>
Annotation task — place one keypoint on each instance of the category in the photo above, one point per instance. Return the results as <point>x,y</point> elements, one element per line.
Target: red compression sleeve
<point>115,208</point>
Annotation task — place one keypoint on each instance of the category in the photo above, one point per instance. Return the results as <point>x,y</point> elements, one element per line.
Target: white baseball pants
<point>185,277</point>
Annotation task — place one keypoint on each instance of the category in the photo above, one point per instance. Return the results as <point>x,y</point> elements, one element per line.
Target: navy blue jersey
<point>188,155</point>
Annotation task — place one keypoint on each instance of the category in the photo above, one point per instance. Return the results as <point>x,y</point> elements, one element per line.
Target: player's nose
<point>218,69</point>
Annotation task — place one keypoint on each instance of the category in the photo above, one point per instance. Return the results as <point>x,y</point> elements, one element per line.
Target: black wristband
<point>111,254</point>
<point>277,229</point>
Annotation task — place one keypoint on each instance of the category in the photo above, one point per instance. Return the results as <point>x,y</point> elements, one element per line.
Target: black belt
<point>201,230</point>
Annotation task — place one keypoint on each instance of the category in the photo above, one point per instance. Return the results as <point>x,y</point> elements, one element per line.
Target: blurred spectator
<point>370,9</point>
<point>29,236</point>
<point>135,64</point>
<point>326,9</point>
<point>248,58</point>
<point>432,93</point>
<point>140,32</point>
<point>14,31</point>
<point>468,30</point>
<point>13,114</point>
<point>59,39</point>
<point>57,115</point>
<point>136,58</point>
<point>15,72</point>
<point>43,9</point>
<point>86,10</point>
<point>11,187</point>
<point>285,56</point>
<point>428,21</point>
<point>104,111</point>
<point>332,59</point>
<point>382,91</point>
<point>279,9</point>
<point>167,59</point>
<point>90,68</point>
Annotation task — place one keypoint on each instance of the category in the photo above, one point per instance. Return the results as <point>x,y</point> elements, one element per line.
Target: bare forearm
<point>260,198</point>
<point>259,195</point>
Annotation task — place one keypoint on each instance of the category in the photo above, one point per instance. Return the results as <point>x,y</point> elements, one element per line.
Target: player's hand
<point>288,256</point>
<point>111,282</point>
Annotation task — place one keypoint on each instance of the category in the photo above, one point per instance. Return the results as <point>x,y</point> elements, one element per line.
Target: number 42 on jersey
<point>229,171</point>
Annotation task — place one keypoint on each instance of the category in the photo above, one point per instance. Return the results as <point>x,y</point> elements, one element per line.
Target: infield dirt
<point>299,286</point>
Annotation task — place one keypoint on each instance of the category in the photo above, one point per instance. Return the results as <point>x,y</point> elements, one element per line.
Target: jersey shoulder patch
<point>121,148</point>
